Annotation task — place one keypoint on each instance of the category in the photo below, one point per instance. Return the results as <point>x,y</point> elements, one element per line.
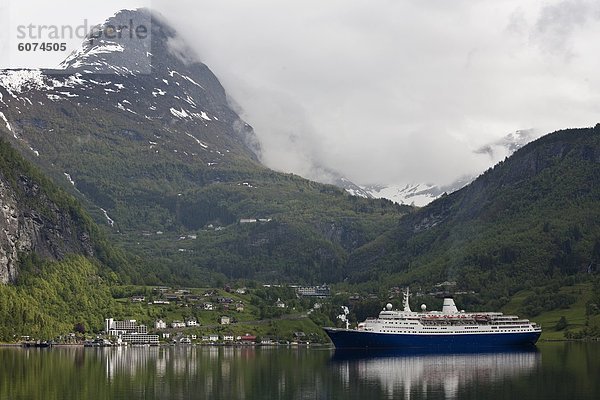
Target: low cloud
<point>393,92</point>
<point>559,22</point>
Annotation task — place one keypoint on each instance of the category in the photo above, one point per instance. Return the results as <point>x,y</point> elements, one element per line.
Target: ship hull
<point>354,339</point>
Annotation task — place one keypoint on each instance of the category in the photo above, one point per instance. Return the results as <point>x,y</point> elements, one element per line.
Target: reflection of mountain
<point>440,375</point>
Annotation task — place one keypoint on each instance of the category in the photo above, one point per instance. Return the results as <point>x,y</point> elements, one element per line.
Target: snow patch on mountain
<point>188,99</point>
<point>123,108</point>
<point>421,194</point>
<point>18,81</point>
<point>6,122</point>
<point>418,195</point>
<point>187,78</point>
<point>180,114</point>
<point>71,181</point>
<point>412,194</point>
<point>100,83</point>
<point>202,144</point>
<point>69,94</point>
<point>69,82</point>
<point>105,48</point>
<point>110,221</point>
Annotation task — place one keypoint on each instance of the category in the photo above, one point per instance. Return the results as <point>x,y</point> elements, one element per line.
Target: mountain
<point>39,220</point>
<point>415,194</point>
<point>55,264</point>
<point>421,194</point>
<point>145,136</point>
<point>529,221</point>
<point>34,218</point>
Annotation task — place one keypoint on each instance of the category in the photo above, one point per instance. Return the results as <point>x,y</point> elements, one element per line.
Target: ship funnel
<point>449,307</point>
<point>406,303</point>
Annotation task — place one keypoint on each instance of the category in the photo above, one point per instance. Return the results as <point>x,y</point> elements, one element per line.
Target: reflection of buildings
<point>129,362</point>
<point>210,369</point>
<point>123,361</point>
<point>436,375</point>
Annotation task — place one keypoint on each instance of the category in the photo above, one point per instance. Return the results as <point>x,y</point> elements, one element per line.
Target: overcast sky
<point>389,91</point>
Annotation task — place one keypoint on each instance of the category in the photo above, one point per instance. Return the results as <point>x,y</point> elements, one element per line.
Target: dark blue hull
<point>353,339</point>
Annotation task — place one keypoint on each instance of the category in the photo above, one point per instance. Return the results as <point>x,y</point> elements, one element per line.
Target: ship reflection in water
<point>401,374</point>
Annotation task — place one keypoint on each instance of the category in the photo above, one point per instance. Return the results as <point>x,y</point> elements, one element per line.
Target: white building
<point>314,291</point>
<point>160,324</point>
<point>177,324</point>
<point>191,322</point>
<point>139,338</point>
<point>115,328</point>
<point>129,332</point>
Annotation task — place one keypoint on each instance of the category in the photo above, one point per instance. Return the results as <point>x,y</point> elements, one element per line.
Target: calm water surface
<point>552,371</point>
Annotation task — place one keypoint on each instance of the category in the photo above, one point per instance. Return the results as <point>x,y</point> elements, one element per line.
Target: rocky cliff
<point>35,217</point>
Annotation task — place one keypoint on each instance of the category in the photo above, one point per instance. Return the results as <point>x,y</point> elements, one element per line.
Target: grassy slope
<point>247,321</point>
<point>575,314</point>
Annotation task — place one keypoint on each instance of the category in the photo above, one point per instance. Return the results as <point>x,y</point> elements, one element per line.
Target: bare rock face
<point>12,237</point>
<point>44,229</point>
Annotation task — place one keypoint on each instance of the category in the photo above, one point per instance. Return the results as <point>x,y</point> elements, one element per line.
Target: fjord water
<point>552,371</point>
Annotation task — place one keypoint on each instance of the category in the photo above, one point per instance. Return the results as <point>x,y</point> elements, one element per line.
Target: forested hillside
<point>56,262</point>
<point>164,162</point>
<point>530,221</point>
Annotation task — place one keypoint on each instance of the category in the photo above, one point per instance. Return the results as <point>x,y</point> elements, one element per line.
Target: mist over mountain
<point>145,135</point>
<point>161,157</point>
<point>395,93</point>
<point>131,163</point>
<point>421,194</point>
<point>526,222</point>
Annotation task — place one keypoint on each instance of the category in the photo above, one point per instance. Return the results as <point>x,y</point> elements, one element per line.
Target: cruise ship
<point>449,328</point>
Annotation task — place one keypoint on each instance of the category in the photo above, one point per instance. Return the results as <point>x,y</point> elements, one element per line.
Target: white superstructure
<point>449,321</point>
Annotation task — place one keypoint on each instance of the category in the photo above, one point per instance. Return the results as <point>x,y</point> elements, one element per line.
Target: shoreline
<point>82,345</point>
<point>254,345</point>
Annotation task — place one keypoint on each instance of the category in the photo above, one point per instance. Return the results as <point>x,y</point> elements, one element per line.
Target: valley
<point>136,179</point>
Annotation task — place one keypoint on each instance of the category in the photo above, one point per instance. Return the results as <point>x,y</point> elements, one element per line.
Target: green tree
<point>561,324</point>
